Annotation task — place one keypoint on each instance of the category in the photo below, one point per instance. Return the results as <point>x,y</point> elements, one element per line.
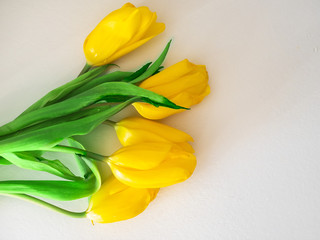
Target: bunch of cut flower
<point>153,155</point>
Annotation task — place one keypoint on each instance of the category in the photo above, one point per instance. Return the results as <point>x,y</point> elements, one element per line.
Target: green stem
<point>46,204</point>
<point>85,69</point>
<point>82,152</point>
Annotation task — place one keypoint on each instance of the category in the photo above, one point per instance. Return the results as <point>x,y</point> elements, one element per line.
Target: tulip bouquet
<point>153,155</point>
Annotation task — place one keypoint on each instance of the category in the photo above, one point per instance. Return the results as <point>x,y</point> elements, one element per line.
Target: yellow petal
<point>141,156</point>
<point>110,187</point>
<point>108,206</point>
<point>136,130</point>
<point>183,83</point>
<point>186,147</point>
<point>153,192</point>
<point>154,113</point>
<point>134,136</point>
<point>147,18</point>
<point>168,74</point>
<point>194,83</point>
<point>102,43</point>
<point>177,168</point>
<point>154,30</point>
<point>199,98</point>
<point>121,52</point>
<point>120,32</point>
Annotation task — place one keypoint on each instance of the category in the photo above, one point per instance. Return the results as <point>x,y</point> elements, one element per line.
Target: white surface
<point>256,136</point>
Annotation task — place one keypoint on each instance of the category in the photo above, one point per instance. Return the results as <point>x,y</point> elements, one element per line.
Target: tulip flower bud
<point>184,83</point>
<point>116,202</point>
<point>152,165</point>
<point>135,130</point>
<point>120,32</point>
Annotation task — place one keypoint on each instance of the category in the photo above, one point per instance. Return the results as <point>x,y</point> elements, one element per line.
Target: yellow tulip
<point>116,202</point>
<point>120,32</point>
<point>184,83</point>
<point>135,130</point>
<point>152,165</point>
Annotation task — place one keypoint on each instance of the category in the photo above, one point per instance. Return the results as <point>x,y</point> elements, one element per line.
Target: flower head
<point>184,83</point>
<point>152,165</point>
<point>136,130</point>
<point>120,32</point>
<point>116,202</point>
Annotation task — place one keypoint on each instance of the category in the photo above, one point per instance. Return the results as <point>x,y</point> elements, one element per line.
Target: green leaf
<point>4,161</point>
<point>94,169</point>
<point>56,190</point>
<point>94,109</point>
<point>58,93</point>
<point>47,137</point>
<point>28,161</point>
<point>137,73</point>
<point>158,70</point>
<point>111,77</point>
<point>155,66</point>
<point>106,91</point>
<point>82,166</point>
<point>35,153</point>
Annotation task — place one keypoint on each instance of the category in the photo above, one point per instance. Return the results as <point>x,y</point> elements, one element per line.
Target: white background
<point>256,135</point>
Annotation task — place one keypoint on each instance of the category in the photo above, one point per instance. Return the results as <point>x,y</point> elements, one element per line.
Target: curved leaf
<point>56,190</point>
<point>83,167</point>
<point>28,161</point>
<point>106,91</point>
<point>155,66</point>
<point>4,161</point>
<point>111,77</point>
<point>46,137</point>
<point>60,92</point>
